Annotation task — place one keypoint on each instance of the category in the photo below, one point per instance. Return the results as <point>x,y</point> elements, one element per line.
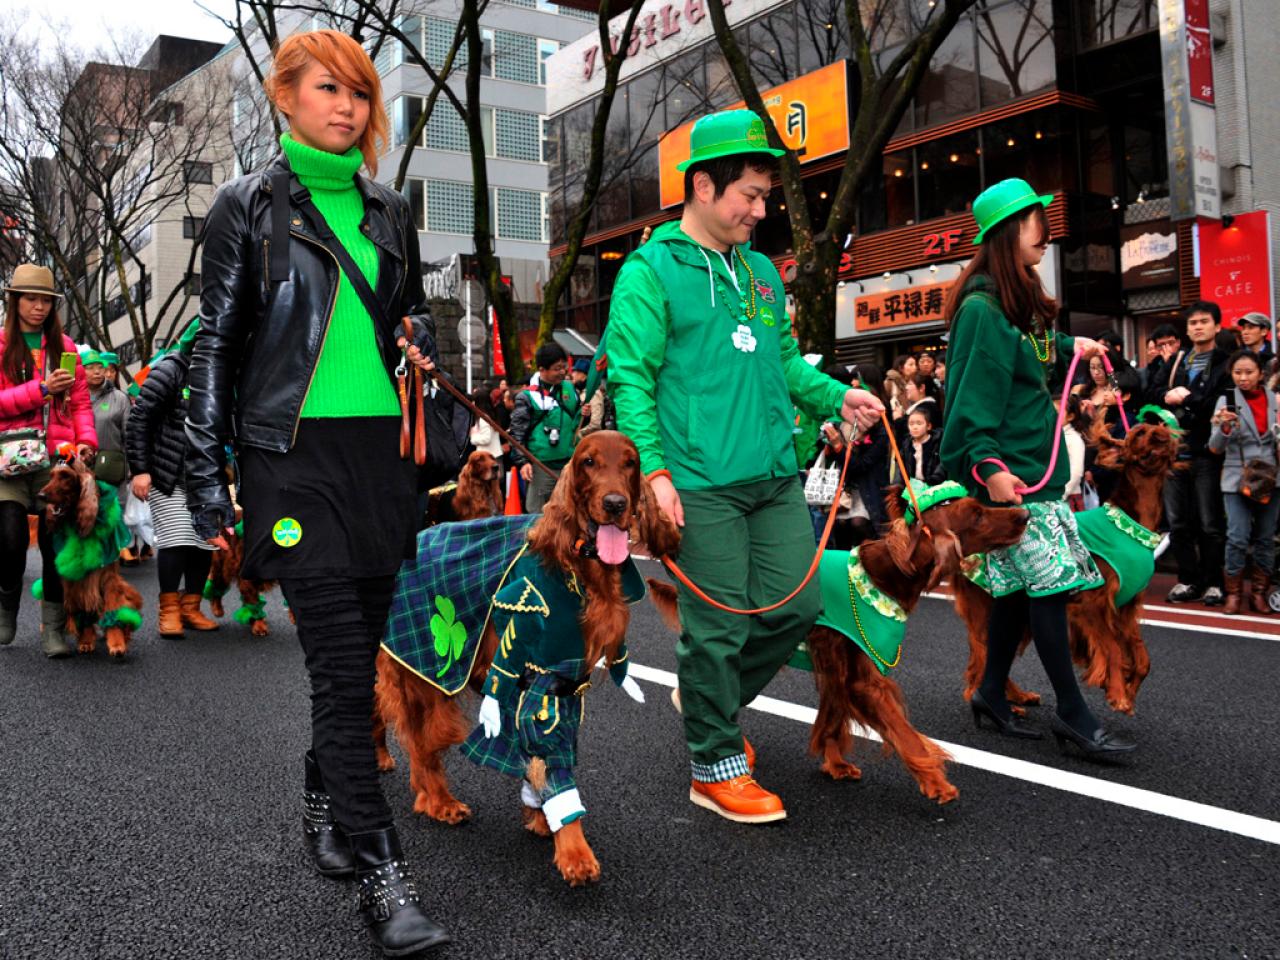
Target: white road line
<point>1201,814</point>
<point>1184,611</point>
<point>1190,627</point>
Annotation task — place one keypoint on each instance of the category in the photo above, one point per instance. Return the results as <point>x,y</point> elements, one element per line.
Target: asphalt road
<point>151,809</point>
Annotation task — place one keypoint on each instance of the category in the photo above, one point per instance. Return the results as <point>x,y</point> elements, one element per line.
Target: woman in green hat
<point>998,436</point>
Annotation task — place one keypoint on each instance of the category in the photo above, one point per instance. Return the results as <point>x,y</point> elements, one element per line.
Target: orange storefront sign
<point>899,308</point>
<point>810,112</point>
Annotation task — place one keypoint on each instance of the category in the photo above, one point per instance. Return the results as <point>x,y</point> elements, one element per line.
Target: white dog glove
<point>490,717</point>
<point>632,689</point>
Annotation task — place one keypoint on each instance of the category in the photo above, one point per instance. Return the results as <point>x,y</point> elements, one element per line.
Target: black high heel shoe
<point>1013,727</point>
<point>1096,747</point>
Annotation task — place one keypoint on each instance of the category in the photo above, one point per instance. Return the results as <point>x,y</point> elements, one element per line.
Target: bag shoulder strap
<point>352,272</point>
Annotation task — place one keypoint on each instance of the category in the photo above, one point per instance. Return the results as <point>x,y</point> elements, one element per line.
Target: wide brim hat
<point>1003,200</point>
<point>32,278</point>
<point>728,133</point>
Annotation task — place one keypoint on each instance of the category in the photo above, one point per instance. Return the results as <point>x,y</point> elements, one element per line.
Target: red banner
<point>1199,51</point>
<point>1235,265</point>
<point>499,362</point>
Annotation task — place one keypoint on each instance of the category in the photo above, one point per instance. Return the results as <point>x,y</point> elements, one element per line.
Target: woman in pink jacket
<point>32,383</point>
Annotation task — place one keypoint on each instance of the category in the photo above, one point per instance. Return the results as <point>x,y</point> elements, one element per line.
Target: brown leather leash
<point>419,442</point>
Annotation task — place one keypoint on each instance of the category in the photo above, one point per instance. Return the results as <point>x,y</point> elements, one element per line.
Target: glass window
<point>558,227</point>
<point>519,135</point>
<point>445,129</point>
<point>772,235</point>
<point>889,201</point>
<point>438,37</point>
<point>545,49</point>
<point>516,57</point>
<point>722,89</point>
<point>450,208</point>
<point>890,23</point>
<point>773,48</point>
<point>582,282</point>
<point>948,174</point>
<point>488,50</point>
<point>577,136</point>
<point>613,205</point>
<point>551,144</point>
<point>948,88</point>
<point>192,227</point>
<point>1015,49</point>
<point>196,171</point>
<point>823,33</point>
<point>1102,21</point>
<point>1098,160</point>
<point>519,214</point>
<point>1029,146</point>
<point>406,112</point>
<point>486,131</point>
<point>414,190</point>
<point>682,89</point>
<point>644,182</point>
<point>644,109</point>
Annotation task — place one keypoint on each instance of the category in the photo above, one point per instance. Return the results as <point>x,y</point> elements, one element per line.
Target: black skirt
<point>340,503</point>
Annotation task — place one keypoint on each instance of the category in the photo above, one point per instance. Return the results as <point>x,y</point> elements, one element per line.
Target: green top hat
<point>109,358</point>
<point>727,134</point>
<point>1001,201</point>
<point>91,356</point>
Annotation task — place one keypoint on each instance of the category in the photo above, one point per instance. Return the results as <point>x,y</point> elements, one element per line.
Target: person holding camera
<point>1244,431</point>
<point>545,419</point>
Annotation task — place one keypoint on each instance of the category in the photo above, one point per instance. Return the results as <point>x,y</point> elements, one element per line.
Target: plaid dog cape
<point>443,596</point>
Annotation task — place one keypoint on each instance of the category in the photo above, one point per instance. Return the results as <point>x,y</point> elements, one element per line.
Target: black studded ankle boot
<point>388,896</point>
<point>325,840</point>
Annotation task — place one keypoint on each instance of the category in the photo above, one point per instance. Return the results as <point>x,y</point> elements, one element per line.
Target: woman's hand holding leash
<point>490,717</point>
<point>1087,348</point>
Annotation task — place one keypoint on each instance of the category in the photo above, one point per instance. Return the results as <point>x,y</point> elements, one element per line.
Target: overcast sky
<point>85,22</point>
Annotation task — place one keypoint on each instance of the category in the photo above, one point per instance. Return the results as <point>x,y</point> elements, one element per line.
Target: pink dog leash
<point>1062,419</point>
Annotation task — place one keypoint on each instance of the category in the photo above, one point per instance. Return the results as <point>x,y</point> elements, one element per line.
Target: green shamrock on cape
<point>449,635</point>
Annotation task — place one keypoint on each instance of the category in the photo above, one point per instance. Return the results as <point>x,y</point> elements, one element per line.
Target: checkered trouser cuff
<point>721,770</point>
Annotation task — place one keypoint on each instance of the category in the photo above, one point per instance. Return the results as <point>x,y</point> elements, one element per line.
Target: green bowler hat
<point>91,357</point>
<point>931,496</point>
<point>1001,201</point>
<point>727,134</point>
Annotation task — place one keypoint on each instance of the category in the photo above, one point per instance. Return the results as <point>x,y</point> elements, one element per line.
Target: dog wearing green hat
<point>867,596</point>
<point>705,374</point>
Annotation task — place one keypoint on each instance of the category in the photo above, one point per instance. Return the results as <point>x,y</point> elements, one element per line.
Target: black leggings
<point>15,540</point>
<point>1047,617</point>
<point>340,625</point>
<point>176,563</point>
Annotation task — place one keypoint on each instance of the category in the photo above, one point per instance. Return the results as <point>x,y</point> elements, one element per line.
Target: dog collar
<point>586,546</point>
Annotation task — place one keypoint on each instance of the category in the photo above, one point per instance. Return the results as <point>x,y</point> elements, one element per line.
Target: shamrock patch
<point>743,339</point>
<point>286,532</point>
<point>449,635</point>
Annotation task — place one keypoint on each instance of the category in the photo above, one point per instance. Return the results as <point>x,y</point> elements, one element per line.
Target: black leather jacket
<point>257,348</point>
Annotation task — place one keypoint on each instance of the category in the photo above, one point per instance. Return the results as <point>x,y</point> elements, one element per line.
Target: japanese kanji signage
<point>810,112</point>
<point>899,308</point>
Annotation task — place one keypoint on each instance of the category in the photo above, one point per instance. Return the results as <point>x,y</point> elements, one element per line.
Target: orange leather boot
<point>170,620</point>
<point>741,800</point>
<point>191,615</point>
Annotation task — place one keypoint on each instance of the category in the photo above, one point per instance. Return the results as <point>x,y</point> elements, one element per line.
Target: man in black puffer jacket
<point>156,445</point>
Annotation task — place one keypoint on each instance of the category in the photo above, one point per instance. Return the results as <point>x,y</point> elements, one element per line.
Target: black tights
<point>176,563</point>
<point>340,625</point>
<point>1047,617</point>
<point>15,539</point>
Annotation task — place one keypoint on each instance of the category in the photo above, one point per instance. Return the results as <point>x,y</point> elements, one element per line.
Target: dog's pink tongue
<point>611,544</point>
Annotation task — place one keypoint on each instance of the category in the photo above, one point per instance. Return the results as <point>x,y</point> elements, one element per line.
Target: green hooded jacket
<point>704,382</point>
<point>998,403</point>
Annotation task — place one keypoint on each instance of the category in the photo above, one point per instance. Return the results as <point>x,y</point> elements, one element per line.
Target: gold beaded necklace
<point>1031,335</point>
<point>751,279</point>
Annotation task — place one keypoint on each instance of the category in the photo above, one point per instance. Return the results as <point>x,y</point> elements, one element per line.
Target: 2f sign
<point>937,244</point>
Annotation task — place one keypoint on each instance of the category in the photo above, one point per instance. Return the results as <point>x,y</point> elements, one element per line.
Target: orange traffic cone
<point>514,506</point>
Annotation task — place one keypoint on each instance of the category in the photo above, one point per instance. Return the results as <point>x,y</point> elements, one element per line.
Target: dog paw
<point>215,608</point>
<point>944,794</point>
<point>841,770</point>
<point>260,628</point>
<point>579,867</point>
<point>1027,698</point>
<point>84,647</point>
<point>1121,705</point>
<point>386,761</point>
<point>535,821</point>
<point>450,811</point>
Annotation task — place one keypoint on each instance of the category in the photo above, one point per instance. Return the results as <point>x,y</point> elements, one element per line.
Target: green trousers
<point>747,546</point>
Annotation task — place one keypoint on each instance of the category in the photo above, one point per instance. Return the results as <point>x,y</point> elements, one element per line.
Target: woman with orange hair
<point>309,272</point>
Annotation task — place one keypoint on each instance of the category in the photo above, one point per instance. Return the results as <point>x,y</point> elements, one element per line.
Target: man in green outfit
<point>545,419</point>
<point>704,371</point>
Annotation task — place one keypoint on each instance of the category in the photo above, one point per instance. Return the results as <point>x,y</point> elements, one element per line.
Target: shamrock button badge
<point>744,339</point>
<point>287,532</point>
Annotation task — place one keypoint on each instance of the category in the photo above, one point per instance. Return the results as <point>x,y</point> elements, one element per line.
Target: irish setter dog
<point>224,572</point>
<point>1106,641</point>
<point>428,722</point>
<point>906,563</point>
<point>71,507</point>
<point>479,492</point>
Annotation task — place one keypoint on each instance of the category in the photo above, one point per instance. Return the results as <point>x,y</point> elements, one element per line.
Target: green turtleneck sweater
<point>350,379</point>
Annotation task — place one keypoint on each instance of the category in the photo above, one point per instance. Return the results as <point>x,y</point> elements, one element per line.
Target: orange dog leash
<point>822,543</point>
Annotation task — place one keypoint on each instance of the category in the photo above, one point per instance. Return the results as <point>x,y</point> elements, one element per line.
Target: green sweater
<point>998,405</point>
<point>350,379</point>
<point>703,367</point>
